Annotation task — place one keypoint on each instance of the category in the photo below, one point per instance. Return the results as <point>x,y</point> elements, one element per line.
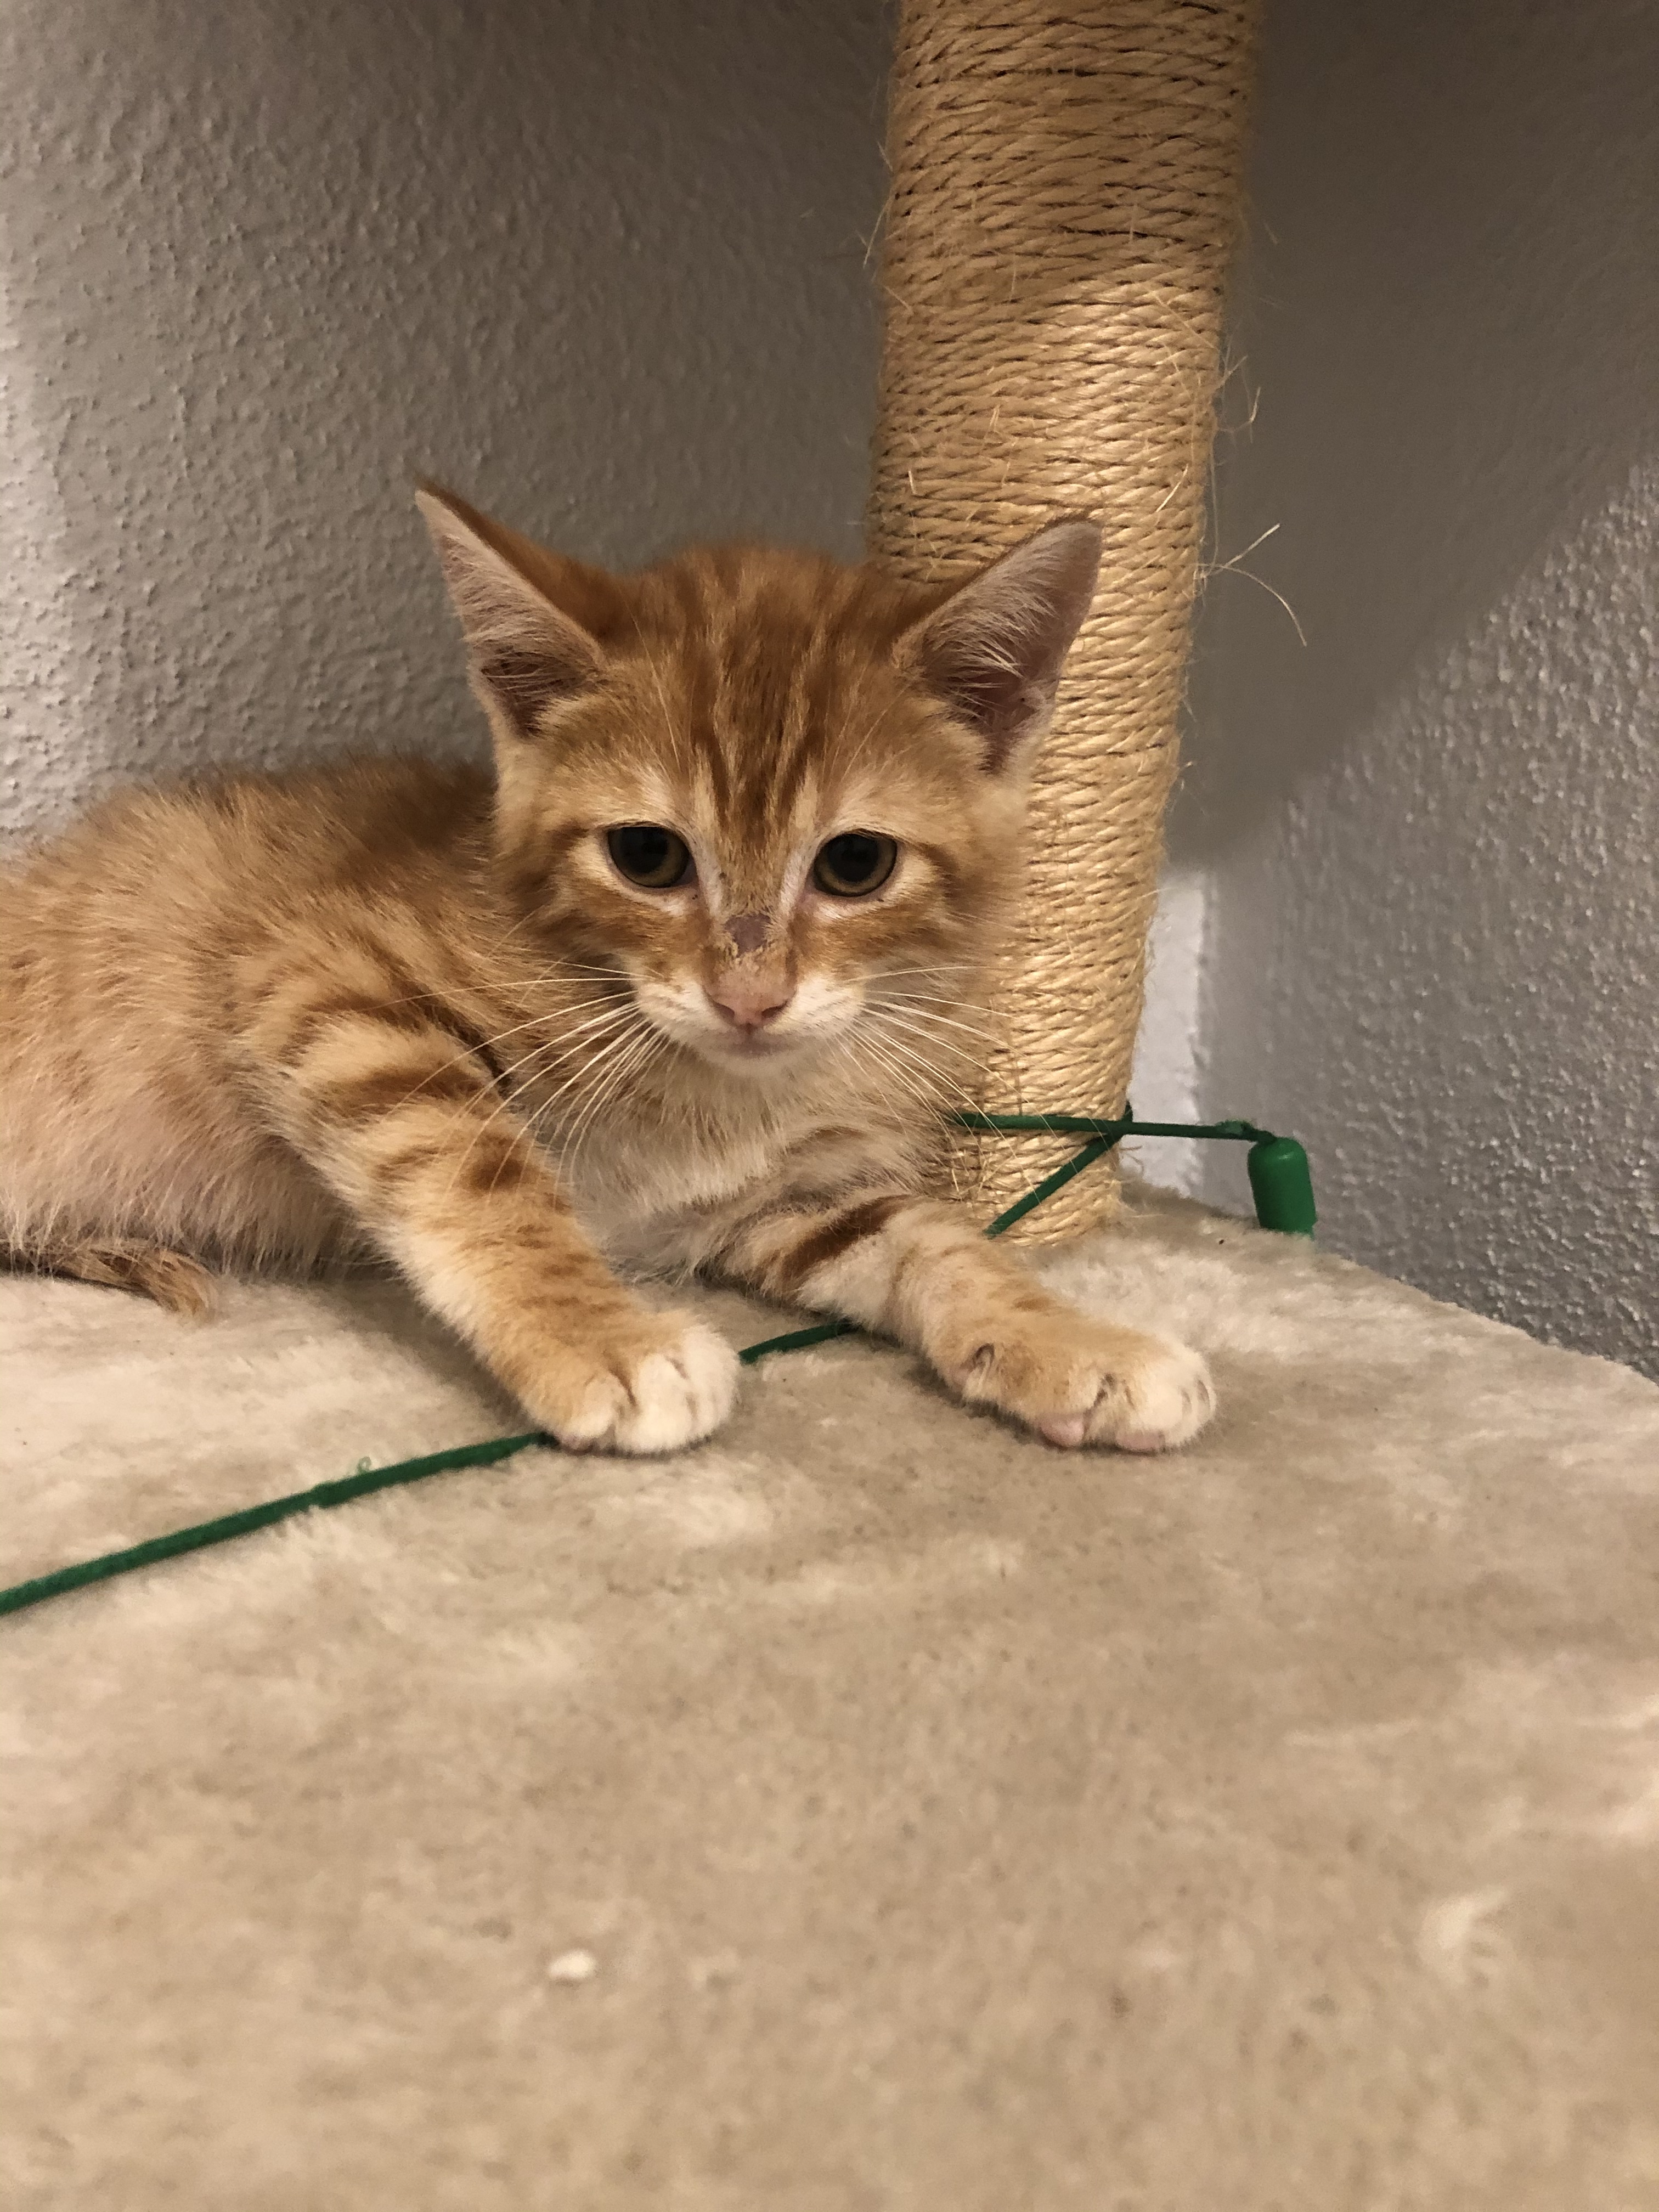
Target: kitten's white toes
<point>714,1370</point>
<point>678,1395</point>
<point>590,1422</point>
<point>1161,1405</point>
<point>622,1397</point>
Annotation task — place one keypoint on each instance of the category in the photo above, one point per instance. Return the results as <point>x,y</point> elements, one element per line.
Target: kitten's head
<point>778,798</point>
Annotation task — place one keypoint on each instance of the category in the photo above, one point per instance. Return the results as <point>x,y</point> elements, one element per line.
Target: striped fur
<point>398,1009</point>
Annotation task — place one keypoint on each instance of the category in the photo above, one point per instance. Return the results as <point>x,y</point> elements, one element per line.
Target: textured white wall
<point>599,265</point>
<point>1168,1084</point>
<point>1433,834</point>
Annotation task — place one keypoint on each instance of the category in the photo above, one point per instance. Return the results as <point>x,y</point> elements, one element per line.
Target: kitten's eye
<point>649,855</point>
<point>857,861</point>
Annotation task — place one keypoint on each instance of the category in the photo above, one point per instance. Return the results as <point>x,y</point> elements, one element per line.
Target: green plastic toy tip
<point>1282,1186</point>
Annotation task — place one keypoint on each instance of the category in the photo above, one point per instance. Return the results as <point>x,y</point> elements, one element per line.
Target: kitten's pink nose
<point>749,1002</point>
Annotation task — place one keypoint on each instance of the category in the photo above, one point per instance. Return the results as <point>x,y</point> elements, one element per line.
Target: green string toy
<point>1280,1184</point>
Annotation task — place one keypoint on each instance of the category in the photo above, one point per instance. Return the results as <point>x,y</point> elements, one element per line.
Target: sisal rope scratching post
<point>1064,201</point>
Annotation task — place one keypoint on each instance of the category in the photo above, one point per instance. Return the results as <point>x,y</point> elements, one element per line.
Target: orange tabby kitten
<point>685,985</point>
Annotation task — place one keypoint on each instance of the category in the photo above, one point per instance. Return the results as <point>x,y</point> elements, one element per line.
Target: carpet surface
<point>870,1808</point>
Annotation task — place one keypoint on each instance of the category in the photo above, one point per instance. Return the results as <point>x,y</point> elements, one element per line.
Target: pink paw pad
<point>1066,1429</point>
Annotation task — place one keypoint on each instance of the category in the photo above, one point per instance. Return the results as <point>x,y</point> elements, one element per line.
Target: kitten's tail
<point>174,1280</point>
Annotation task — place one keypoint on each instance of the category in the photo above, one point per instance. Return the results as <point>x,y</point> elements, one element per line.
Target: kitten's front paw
<point>1078,1381</point>
<point>662,1382</point>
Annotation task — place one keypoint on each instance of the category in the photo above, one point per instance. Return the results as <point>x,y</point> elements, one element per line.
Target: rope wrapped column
<point>1064,202</point>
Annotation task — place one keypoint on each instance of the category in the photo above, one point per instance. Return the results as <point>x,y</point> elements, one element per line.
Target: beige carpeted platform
<point>949,1824</point>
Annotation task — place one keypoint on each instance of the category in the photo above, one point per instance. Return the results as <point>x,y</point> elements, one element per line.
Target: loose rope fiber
<point>1064,201</point>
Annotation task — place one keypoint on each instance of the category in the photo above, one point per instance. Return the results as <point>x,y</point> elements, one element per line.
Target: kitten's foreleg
<point>412,1134</point>
<point>922,1272</point>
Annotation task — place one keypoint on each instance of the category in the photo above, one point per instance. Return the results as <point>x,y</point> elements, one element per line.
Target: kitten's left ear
<point>993,651</point>
<point>535,623</point>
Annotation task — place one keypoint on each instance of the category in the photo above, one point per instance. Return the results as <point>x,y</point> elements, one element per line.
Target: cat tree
<point>1063,200</point>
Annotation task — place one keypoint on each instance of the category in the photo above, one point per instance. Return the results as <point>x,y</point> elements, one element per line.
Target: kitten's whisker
<point>596,1034</point>
<point>550,1048</point>
<point>575,1087</point>
<point>927,1078</point>
<point>943,1084</point>
<point>960,966</point>
<point>902,1077</point>
<point>499,943</point>
<point>890,991</point>
<point>503,1105</point>
<point>627,1052</point>
<point>909,1010</point>
<point>580,1085</point>
<point>571,1022</point>
<point>926,976</point>
<point>627,1058</point>
<point>899,1017</point>
<point>582,1035</point>
<point>915,982</point>
<point>470,1051</point>
<point>506,1101</point>
<point>590,971</point>
<point>922,1006</point>
<point>949,1077</point>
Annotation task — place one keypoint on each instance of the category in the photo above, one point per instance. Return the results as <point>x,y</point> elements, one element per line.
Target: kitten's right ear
<point>535,623</point>
<point>995,647</point>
